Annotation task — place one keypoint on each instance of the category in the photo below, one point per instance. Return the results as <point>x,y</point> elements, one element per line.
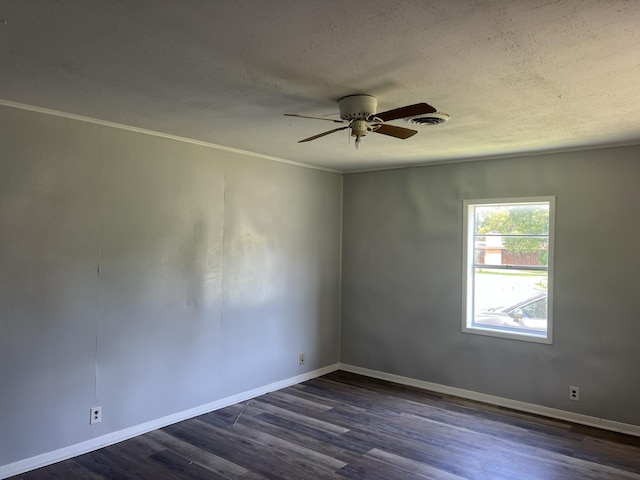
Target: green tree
<point>516,220</point>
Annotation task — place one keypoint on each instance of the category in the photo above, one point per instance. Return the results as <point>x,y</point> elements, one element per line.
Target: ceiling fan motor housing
<point>353,107</point>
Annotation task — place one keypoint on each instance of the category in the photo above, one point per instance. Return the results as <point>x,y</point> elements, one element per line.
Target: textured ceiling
<point>515,77</point>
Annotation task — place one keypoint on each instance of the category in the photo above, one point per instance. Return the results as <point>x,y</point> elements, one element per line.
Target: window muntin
<point>508,258</point>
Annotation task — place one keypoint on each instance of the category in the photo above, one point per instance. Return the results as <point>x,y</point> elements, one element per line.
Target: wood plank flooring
<point>346,426</point>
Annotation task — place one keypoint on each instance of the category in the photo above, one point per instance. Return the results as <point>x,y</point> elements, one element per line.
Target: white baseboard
<point>49,458</point>
<point>499,401</point>
<point>54,456</point>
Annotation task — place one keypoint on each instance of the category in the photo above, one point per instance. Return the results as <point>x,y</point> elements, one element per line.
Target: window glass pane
<point>512,219</point>
<point>510,299</point>
<point>511,234</point>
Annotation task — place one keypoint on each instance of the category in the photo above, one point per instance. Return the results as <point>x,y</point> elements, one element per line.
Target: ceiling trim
<point>144,131</point>
<point>504,156</point>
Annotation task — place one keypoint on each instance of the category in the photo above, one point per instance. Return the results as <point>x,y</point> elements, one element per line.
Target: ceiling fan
<point>358,113</point>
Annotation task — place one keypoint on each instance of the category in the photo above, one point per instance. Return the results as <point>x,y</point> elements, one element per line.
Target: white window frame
<point>468,270</point>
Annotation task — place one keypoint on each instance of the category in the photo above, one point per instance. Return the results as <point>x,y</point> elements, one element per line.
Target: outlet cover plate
<point>574,394</point>
<point>96,415</point>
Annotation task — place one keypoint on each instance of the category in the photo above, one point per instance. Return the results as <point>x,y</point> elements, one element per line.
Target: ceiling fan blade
<point>323,134</point>
<point>402,112</point>
<point>314,118</point>
<point>393,131</point>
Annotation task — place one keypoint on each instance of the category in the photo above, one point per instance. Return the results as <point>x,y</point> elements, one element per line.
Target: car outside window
<point>508,260</point>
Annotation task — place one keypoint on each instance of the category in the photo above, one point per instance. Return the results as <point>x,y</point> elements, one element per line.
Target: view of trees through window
<point>523,231</point>
<point>509,271</point>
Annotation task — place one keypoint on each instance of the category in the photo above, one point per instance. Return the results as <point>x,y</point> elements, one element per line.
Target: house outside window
<point>508,268</point>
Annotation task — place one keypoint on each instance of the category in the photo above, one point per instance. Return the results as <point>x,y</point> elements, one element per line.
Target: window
<point>508,260</point>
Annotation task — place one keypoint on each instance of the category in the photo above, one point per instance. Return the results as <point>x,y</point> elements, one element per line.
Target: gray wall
<point>402,274</point>
<point>150,276</point>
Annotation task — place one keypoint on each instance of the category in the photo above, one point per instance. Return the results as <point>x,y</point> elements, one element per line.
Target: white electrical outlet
<point>574,393</point>
<point>301,362</point>
<point>96,415</point>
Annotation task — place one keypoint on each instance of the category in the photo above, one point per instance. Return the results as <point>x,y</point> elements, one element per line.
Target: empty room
<point>302,240</point>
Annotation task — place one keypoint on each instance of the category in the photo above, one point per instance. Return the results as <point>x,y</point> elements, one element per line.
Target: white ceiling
<point>515,76</point>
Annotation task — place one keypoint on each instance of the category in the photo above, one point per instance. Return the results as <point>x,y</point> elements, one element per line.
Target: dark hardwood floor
<point>346,426</point>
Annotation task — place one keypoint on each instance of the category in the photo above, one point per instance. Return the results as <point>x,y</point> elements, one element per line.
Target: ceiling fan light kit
<point>358,113</point>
